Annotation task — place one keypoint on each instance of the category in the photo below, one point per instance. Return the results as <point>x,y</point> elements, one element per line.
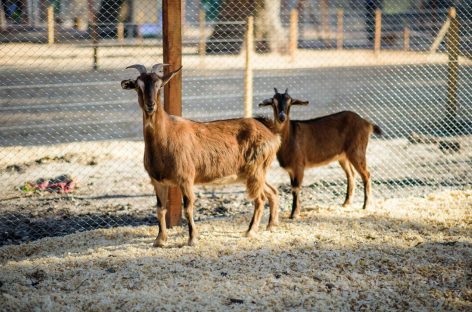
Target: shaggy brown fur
<point>181,152</point>
<point>341,137</point>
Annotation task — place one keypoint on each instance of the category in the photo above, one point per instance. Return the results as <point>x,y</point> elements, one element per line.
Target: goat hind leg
<point>361,166</point>
<point>256,218</point>
<point>272,195</point>
<point>350,173</point>
<point>161,196</point>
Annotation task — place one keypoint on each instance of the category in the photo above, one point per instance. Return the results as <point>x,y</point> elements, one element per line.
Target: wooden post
<point>324,8</point>
<point>248,78</point>
<point>452,47</point>
<point>378,31</point>
<point>172,41</point>
<point>120,32</point>
<point>406,38</point>
<point>442,33</point>
<point>51,24</point>
<point>202,41</point>
<point>293,44</point>
<point>340,30</point>
<point>94,32</point>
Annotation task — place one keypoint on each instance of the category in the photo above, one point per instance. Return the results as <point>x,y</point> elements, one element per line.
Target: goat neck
<point>155,124</point>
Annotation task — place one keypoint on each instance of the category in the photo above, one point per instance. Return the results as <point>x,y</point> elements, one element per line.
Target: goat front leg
<point>272,195</point>
<point>161,196</point>
<point>296,180</point>
<point>189,200</point>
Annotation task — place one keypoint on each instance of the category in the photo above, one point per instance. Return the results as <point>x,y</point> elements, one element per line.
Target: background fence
<point>405,65</point>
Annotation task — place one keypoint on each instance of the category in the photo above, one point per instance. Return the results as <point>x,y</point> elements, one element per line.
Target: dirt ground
<point>113,188</point>
<point>407,254</point>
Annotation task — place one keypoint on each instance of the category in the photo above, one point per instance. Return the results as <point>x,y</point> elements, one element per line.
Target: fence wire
<point>71,143</point>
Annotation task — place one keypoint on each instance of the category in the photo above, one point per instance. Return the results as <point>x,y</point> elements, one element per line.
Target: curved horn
<point>275,89</point>
<point>157,67</point>
<point>286,91</point>
<point>139,67</point>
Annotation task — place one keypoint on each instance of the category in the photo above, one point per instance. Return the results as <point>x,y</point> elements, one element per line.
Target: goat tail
<point>377,130</point>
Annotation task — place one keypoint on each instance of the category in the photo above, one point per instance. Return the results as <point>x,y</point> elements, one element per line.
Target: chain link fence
<point>71,140</point>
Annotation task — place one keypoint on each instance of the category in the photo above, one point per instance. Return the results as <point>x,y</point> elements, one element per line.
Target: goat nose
<point>282,117</point>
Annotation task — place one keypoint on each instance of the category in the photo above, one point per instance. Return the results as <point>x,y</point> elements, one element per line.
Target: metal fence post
<point>172,40</point>
<point>378,31</point>
<point>293,34</point>
<point>51,24</point>
<point>452,46</point>
<point>248,77</point>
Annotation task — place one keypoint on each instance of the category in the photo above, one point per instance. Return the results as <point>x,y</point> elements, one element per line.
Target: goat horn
<point>286,91</point>
<point>275,89</point>
<point>139,67</point>
<point>157,67</point>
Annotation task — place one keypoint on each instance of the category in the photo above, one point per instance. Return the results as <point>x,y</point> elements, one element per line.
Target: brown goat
<point>341,137</point>
<point>181,152</point>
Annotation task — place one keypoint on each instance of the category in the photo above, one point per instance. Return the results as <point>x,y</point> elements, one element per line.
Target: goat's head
<point>281,103</point>
<point>149,85</point>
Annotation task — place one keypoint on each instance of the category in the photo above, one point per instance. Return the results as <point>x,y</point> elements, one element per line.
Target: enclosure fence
<point>71,144</point>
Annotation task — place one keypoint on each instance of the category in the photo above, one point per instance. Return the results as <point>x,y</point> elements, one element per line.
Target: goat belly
<point>231,179</point>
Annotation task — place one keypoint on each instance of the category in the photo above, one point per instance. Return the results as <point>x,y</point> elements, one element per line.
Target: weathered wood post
<point>340,30</point>
<point>406,38</point>
<point>452,47</point>
<point>202,41</point>
<point>378,31</point>
<point>172,41</point>
<point>92,19</point>
<point>248,76</point>
<point>51,24</point>
<point>293,44</point>
<point>120,32</point>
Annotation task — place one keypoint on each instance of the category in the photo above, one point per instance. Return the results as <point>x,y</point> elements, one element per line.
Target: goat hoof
<point>295,216</point>
<point>250,234</point>
<point>346,205</point>
<point>159,243</point>
<point>271,227</point>
<point>192,242</point>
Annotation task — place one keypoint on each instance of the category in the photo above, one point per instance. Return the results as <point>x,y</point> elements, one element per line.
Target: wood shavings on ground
<point>404,254</point>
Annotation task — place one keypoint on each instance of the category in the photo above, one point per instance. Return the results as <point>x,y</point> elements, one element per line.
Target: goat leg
<point>189,200</point>
<point>296,183</point>
<point>349,170</point>
<point>256,218</point>
<point>161,196</point>
<point>272,195</point>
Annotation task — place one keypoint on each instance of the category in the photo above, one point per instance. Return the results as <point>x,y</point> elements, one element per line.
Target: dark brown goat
<point>341,137</point>
<point>181,152</point>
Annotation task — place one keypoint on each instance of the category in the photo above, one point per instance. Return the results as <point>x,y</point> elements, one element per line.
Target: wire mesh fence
<point>71,140</point>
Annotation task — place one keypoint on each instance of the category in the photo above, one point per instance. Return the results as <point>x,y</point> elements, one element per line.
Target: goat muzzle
<point>282,117</point>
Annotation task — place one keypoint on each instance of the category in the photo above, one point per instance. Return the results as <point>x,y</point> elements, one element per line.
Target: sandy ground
<point>67,57</point>
<point>408,254</point>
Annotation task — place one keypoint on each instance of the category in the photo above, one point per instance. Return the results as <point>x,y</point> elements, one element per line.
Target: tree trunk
<point>228,32</point>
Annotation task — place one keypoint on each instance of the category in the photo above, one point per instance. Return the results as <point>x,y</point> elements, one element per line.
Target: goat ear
<point>267,102</point>
<point>169,76</point>
<point>299,102</point>
<point>128,84</point>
